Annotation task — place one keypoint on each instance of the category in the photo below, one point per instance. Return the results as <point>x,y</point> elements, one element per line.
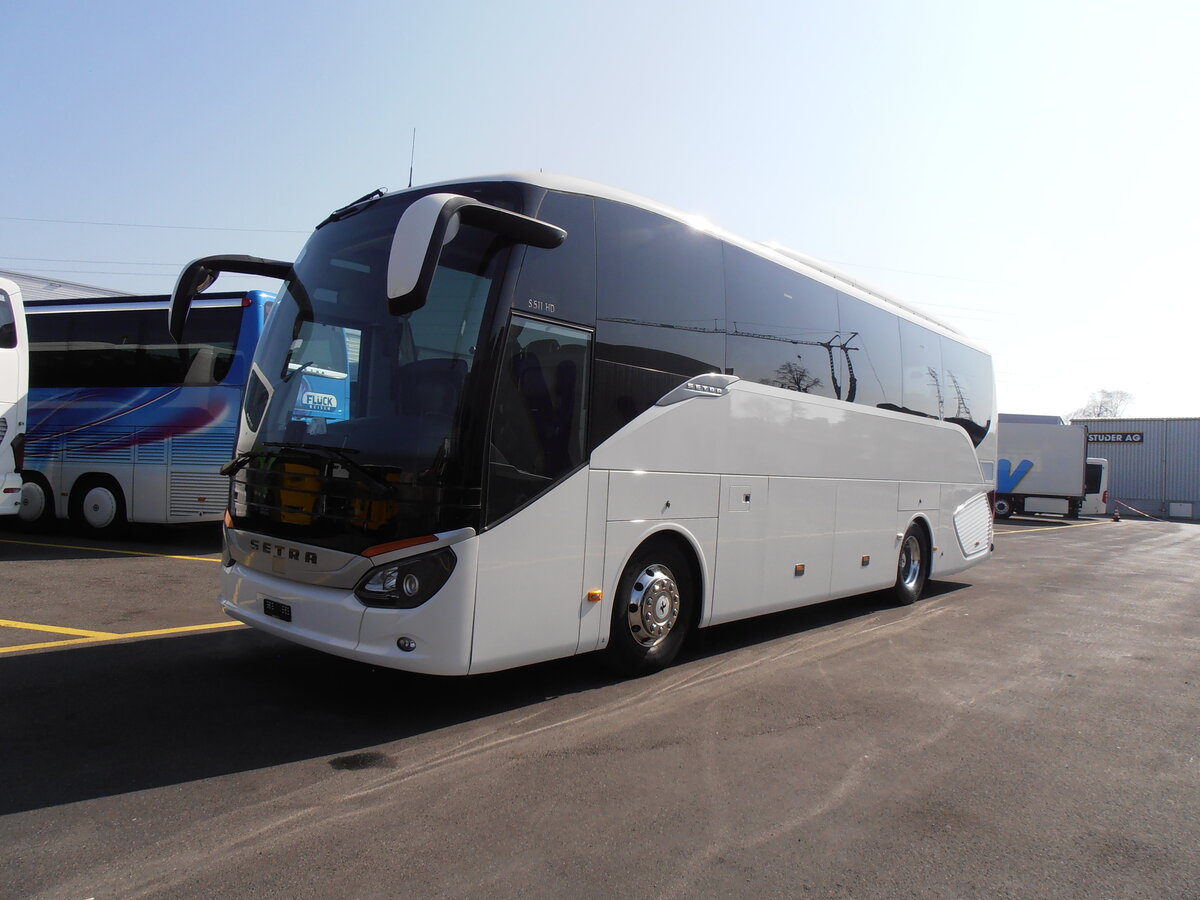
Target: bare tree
<point>1104,405</point>
<point>794,377</point>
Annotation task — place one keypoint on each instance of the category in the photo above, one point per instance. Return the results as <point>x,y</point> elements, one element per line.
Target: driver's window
<point>538,430</point>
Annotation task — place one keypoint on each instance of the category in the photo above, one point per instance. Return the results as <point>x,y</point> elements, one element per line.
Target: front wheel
<point>37,502</point>
<point>654,607</point>
<point>1004,508</point>
<point>912,567</point>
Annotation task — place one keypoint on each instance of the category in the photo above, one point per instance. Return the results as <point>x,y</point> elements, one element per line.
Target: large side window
<point>783,327</point>
<point>539,421</point>
<point>562,282</point>
<point>921,353</point>
<point>967,380</point>
<point>660,314</point>
<point>870,347</point>
<point>661,292</point>
<point>130,348</point>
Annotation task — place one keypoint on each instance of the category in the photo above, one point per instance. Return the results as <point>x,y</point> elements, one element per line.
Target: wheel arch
<point>692,550</point>
<point>922,521</point>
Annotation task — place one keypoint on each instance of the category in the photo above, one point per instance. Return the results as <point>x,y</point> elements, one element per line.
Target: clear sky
<point>1027,171</point>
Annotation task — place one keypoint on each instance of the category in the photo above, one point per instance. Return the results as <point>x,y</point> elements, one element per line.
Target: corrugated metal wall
<point>1151,475</point>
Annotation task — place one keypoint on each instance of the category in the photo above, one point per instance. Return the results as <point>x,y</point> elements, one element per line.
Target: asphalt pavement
<point>1029,729</point>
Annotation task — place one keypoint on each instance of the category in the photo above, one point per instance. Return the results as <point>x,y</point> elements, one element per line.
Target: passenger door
<point>530,587</point>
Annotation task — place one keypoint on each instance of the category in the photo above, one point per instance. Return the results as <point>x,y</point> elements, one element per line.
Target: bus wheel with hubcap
<point>98,506</point>
<point>37,502</point>
<point>912,568</point>
<point>1004,508</point>
<point>653,610</point>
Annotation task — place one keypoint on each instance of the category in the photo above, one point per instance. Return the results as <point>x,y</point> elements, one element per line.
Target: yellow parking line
<point>109,550</point>
<point>95,637</point>
<point>1049,528</point>
<point>55,629</point>
<point>180,630</point>
<point>4,650</point>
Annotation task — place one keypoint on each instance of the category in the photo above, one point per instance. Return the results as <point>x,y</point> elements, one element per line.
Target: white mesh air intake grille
<point>973,526</point>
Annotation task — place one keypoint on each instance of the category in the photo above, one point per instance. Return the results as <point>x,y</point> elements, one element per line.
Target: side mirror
<point>430,223</point>
<point>201,273</point>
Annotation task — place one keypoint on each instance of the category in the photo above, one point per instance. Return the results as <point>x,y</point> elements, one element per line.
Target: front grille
<point>315,499</point>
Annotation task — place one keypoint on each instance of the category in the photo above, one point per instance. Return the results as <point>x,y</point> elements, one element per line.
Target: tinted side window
<point>871,351</point>
<point>562,282</point>
<point>661,292</point>
<point>921,353</point>
<point>8,324</point>
<point>967,380</point>
<point>130,348</point>
<point>538,430</point>
<point>782,326</point>
<point>621,393</point>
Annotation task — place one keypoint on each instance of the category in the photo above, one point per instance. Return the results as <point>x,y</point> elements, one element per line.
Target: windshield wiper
<point>351,208</point>
<point>338,454</point>
<point>288,376</point>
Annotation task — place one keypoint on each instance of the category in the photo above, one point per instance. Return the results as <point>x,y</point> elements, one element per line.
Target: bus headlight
<point>408,583</point>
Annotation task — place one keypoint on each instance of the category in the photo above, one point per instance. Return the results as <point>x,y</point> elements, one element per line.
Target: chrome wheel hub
<point>910,561</point>
<point>653,605</point>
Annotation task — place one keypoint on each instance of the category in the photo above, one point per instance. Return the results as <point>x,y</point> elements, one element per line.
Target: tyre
<point>912,566</point>
<point>98,506</point>
<point>37,502</point>
<point>1004,508</point>
<point>653,610</point>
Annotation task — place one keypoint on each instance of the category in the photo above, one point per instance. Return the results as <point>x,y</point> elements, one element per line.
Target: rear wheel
<point>1004,508</point>
<point>912,567</point>
<point>37,502</point>
<point>98,506</point>
<point>654,608</point>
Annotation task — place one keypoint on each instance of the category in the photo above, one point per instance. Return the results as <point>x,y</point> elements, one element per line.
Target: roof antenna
<point>412,157</point>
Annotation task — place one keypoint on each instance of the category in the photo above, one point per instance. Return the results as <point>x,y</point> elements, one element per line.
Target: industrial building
<point>39,287</point>
<point>1153,465</point>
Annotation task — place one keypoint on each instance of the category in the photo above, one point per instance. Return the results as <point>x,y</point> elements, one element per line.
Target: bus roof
<point>792,259</point>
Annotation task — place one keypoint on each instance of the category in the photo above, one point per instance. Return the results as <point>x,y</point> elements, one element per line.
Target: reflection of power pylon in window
<point>829,345</point>
<point>963,411</point>
<point>936,381</point>
<point>852,385</point>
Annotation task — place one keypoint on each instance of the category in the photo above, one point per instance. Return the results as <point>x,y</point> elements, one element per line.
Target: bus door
<point>530,596</point>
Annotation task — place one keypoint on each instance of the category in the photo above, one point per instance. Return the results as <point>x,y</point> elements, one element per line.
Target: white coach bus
<point>14,395</point>
<point>578,421</point>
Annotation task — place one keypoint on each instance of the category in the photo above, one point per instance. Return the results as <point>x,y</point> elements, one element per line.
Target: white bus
<point>578,421</point>
<point>1095,497</point>
<point>14,395</point>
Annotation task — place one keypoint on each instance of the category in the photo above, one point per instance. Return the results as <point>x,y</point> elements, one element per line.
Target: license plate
<point>277,610</point>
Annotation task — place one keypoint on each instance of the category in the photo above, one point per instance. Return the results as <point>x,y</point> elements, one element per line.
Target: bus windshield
<point>371,408</point>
